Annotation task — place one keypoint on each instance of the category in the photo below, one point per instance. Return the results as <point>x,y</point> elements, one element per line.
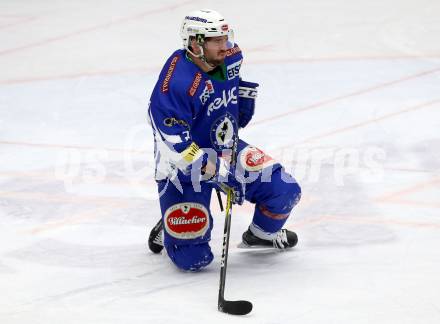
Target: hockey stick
<point>220,202</point>
<point>234,307</point>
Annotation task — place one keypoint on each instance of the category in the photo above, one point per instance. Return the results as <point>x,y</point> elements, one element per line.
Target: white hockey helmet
<point>204,23</point>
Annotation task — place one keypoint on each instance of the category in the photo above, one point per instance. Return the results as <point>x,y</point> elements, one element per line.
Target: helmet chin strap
<point>202,58</point>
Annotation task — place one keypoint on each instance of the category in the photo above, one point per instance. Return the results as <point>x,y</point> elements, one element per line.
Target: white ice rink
<point>349,101</point>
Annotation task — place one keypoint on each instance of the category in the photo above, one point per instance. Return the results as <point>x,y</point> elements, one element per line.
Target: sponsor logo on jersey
<point>233,51</point>
<point>171,121</point>
<point>195,84</point>
<point>233,70</point>
<point>204,96</point>
<point>223,132</point>
<point>186,220</point>
<point>227,97</point>
<point>209,86</point>
<point>254,159</point>
<point>207,91</point>
<point>166,81</point>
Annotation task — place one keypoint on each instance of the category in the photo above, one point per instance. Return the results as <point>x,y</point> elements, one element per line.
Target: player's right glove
<point>226,178</point>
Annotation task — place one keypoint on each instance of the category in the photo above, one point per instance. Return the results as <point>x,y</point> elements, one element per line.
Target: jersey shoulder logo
<point>166,80</point>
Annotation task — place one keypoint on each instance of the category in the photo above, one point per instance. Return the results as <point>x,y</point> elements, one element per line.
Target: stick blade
<point>235,307</point>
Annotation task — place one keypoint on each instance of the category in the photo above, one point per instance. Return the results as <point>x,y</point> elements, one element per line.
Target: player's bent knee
<point>288,191</point>
<point>190,257</point>
<point>294,194</point>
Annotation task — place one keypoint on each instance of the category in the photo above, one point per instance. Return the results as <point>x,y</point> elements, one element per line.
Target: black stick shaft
<point>225,251</point>
<point>220,202</point>
<point>226,233</point>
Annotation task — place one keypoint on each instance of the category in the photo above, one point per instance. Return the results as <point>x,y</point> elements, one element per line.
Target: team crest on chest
<point>223,132</point>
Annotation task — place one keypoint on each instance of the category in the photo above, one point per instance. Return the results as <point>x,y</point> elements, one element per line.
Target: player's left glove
<point>247,92</point>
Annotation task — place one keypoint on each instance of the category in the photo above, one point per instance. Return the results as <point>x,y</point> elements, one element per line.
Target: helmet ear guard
<point>200,39</point>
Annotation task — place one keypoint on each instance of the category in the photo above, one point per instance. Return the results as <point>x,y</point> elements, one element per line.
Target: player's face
<point>215,49</point>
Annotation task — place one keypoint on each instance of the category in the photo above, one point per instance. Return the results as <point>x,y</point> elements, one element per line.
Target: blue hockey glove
<point>226,178</point>
<point>247,92</point>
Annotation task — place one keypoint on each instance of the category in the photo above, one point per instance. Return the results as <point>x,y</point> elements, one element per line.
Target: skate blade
<point>244,246</point>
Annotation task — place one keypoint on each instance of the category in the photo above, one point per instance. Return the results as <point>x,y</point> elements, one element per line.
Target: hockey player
<point>196,109</point>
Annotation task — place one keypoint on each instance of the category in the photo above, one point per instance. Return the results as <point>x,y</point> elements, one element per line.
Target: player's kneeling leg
<point>191,257</point>
<point>187,231</point>
<point>275,200</point>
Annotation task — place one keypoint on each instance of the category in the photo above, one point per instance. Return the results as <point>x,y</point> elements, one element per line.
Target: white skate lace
<point>280,241</point>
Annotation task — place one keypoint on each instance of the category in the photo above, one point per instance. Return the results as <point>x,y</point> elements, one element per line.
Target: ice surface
<point>349,101</point>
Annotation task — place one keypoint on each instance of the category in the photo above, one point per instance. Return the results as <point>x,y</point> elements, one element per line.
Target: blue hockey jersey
<point>190,111</point>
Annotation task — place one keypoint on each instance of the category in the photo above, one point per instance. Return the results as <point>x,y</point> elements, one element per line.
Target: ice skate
<point>155,240</point>
<point>283,239</point>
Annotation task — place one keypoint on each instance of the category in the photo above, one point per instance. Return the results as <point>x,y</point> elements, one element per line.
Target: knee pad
<point>280,196</point>
<point>190,257</point>
<point>286,193</point>
<point>292,194</point>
